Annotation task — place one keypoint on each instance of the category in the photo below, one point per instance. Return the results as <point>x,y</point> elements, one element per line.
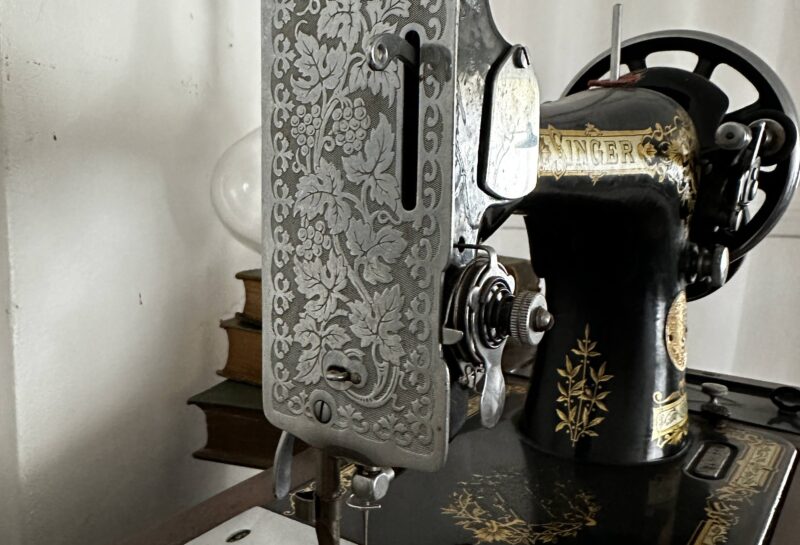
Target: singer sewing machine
<point>398,137</point>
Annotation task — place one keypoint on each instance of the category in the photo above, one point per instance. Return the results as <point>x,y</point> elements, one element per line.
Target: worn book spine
<point>244,352</point>
<point>238,437</point>
<point>237,431</point>
<point>251,312</point>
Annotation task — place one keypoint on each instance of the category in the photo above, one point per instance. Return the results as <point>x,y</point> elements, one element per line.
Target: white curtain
<point>750,327</point>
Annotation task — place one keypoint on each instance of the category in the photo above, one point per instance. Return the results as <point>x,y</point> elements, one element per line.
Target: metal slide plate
<point>351,278</point>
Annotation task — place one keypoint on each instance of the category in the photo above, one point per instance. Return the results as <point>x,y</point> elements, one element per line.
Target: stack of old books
<point>238,433</point>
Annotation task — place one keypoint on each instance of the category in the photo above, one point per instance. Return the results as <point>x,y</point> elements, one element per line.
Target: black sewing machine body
<point>607,226</point>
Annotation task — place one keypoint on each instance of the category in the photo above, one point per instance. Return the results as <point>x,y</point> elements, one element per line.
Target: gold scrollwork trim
<point>751,474</point>
<point>582,392</point>
<point>670,418</point>
<point>675,332</point>
<point>665,152</point>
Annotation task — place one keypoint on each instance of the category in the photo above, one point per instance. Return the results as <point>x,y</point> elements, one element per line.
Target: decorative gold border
<point>479,506</point>
<point>751,475</point>
<point>670,418</point>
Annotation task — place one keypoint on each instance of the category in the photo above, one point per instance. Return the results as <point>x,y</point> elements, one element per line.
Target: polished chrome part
<point>774,135</point>
<point>369,486</point>
<point>714,266</point>
<point>512,135</point>
<point>385,48</point>
<point>616,41</point>
<point>733,136</point>
<point>481,283</point>
<point>451,336</point>
<point>530,318</point>
<point>282,466</point>
<point>352,274</point>
<point>483,308</point>
<point>704,265</point>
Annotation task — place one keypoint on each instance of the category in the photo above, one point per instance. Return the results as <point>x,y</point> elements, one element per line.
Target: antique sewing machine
<point>398,137</point>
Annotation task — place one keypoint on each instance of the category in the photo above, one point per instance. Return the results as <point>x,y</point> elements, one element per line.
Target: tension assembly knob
<point>530,319</point>
<point>482,314</point>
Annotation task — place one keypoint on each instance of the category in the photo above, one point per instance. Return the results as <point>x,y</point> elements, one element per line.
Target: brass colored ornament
<point>675,332</point>
<point>751,474</point>
<point>484,506</point>
<point>581,393</point>
<point>670,418</point>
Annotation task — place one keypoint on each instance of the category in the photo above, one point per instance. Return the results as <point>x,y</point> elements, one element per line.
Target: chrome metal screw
<point>322,411</point>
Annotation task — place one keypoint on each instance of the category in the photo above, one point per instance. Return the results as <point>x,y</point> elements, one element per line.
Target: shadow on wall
<point>121,268</point>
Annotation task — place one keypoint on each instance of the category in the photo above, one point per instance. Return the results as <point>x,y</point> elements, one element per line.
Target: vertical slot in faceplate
<point>410,147</point>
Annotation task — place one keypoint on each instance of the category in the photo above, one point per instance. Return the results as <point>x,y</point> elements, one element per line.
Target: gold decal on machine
<point>675,332</point>
<point>670,418</point>
<point>750,475</point>
<point>581,391</point>
<point>485,507</point>
<point>665,152</point>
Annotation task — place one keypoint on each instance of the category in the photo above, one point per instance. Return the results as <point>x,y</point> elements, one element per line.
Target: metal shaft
<point>616,42</point>
<point>328,507</point>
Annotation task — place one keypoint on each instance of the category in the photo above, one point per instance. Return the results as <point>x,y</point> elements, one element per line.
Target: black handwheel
<point>778,178</point>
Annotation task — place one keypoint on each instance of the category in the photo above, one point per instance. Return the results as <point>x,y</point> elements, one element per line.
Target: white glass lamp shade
<point>236,189</point>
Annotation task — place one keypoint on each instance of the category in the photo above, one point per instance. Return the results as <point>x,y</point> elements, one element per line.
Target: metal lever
<point>282,466</point>
<point>482,314</point>
<point>616,42</point>
<point>385,48</point>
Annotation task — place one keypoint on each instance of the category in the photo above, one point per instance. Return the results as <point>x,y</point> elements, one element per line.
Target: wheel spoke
<point>705,67</point>
<point>743,113</point>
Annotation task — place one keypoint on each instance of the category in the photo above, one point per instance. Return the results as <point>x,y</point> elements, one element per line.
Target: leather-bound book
<point>238,432</point>
<point>244,352</point>
<point>252,296</point>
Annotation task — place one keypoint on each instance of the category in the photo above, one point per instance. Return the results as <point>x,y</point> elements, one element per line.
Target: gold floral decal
<point>675,332</point>
<point>670,418</point>
<point>581,392</point>
<point>752,473</point>
<point>479,506</point>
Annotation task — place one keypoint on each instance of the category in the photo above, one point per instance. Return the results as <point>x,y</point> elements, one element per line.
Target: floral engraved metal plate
<point>352,275</point>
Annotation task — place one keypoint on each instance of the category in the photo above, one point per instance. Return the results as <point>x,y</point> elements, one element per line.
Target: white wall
<point>113,115</point>
<point>748,328</point>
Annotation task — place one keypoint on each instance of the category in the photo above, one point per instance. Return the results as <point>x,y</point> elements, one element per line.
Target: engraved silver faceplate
<point>353,279</point>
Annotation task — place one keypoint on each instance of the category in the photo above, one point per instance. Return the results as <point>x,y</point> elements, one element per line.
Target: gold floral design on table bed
<point>582,391</point>
<point>483,506</point>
